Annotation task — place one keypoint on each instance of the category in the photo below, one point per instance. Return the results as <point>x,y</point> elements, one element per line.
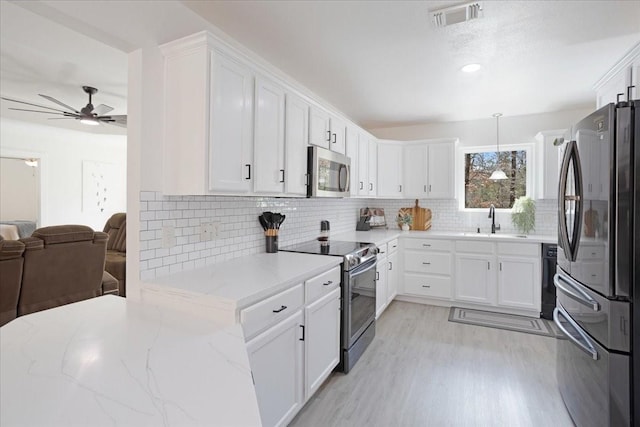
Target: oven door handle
<point>363,268</point>
<point>587,347</point>
<point>564,284</point>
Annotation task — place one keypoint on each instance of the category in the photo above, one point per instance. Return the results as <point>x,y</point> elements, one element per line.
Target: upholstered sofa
<point>11,263</point>
<point>62,264</point>
<point>116,262</point>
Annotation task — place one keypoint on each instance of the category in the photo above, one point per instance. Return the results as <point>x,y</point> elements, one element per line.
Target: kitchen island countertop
<point>110,361</point>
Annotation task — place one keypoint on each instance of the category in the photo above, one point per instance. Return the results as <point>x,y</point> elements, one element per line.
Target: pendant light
<point>498,173</point>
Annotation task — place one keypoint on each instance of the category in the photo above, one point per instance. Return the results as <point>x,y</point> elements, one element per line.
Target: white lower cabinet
<point>382,271</point>
<point>322,335</point>
<point>277,358</point>
<point>392,276</point>
<point>295,354</point>
<point>475,279</point>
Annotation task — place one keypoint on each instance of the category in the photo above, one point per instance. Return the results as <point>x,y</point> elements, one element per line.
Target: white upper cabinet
<point>296,139</point>
<point>390,169</point>
<point>338,135</point>
<point>231,133</point>
<point>269,137</point>
<point>208,110</point>
<point>415,170</point>
<point>373,167</point>
<point>429,170</point>
<point>548,158</point>
<point>351,149</point>
<point>623,74</point>
<point>363,166</point>
<point>319,127</point>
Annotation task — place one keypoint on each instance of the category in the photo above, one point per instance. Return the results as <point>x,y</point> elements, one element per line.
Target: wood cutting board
<point>421,217</point>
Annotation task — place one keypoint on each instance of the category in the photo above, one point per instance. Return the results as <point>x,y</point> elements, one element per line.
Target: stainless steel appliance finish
<point>549,258</point>
<point>597,282</point>
<point>328,173</point>
<point>358,293</point>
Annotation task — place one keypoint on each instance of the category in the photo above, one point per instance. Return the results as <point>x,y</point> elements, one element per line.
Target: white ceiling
<point>382,63</point>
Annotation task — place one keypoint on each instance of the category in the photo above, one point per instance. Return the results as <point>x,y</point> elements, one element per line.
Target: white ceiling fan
<point>88,115</point>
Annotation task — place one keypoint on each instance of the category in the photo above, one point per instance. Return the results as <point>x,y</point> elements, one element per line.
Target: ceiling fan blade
<point>118,120</point>
<point>33,105</point>
<point>36,111</point>
<point>59,103</point>
<point>102,109</point>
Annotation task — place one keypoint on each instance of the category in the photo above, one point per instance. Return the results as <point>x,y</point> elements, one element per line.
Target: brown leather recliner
<point>11,263</point>
<point>116,264</point>
<point>62,264</point>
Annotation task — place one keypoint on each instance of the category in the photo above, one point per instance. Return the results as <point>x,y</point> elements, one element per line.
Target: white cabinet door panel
<point>269,137</point>
<point>390,170</point>
<point>319,133</point>
<point>475,279</point>
<point>415,171</point>
<point>322,337</point>
<point>519,282</point>
<point>276,359</point>
<point>231,140</point>
<point>338,129</point>
<point>296,141</point>
<point>440,171</point>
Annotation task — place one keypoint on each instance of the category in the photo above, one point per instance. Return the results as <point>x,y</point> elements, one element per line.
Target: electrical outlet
<point>168,236</point>
<point>209,231</point>
<point>215,230</point>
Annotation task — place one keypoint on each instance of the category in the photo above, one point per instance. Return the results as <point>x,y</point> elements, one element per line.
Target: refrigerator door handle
<point>562,207</point>
<point>569,239</point>
<point>564,284</point>
<point>584,344</point>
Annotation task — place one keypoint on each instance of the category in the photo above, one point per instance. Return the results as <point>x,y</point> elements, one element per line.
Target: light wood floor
<point>422,370</point>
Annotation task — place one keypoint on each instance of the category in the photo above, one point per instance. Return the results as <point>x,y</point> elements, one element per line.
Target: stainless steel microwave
<point>328,173</point>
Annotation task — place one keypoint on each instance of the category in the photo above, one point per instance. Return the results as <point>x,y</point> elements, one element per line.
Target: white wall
<point>62,153</point>
<point>513,130</point>
<point>19,190</point>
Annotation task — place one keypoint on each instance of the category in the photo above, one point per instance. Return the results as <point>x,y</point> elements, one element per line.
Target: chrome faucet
<point>492,215</point>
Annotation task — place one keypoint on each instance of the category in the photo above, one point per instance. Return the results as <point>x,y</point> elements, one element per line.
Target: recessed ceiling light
<point>471,68</point>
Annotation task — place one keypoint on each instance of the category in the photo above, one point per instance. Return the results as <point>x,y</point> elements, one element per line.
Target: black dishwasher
<point>549,256</point>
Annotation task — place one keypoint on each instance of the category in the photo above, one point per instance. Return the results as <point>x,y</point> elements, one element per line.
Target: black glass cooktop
<point>329,247</point>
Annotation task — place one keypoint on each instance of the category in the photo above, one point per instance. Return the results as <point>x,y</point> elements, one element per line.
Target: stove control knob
<point>353,262</point>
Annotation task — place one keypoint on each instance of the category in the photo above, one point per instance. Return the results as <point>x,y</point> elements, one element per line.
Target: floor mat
<point>509,322</point>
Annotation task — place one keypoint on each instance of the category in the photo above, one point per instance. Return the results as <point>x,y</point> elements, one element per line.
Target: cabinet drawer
<point>522,249</point>
<point>424,285</point>
<point>322,284</point>
<point>392,246</point>
<point>470,246</point>
<point>427,262</point>
<point>428,244</point>
<point>271,310</point>
<point>382,250</point>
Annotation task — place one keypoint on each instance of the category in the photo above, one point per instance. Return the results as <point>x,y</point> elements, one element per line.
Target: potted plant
<point>405,220</point>
<point>523,214</point>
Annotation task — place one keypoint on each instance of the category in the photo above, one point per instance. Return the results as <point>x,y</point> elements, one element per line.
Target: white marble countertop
<point>243,281</point>
<point>111,362</point>
<point>380,236</point>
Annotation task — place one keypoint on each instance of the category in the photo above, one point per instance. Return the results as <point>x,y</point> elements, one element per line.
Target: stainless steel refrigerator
<point>598,294</point>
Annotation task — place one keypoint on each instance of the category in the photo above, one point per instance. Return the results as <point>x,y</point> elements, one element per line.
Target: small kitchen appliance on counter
<point>358,293</point>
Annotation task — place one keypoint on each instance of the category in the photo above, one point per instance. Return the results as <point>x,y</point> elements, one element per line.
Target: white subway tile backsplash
<point>240,234</point>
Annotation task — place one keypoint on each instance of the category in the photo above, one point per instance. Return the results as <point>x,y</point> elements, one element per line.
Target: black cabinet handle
<point>329,135</point>
<point>370,186</point>
<point>328,283</point>
<point>302,339</point>
<point>284,307</point>
<point>377,275</point>
<point>426,263</point>
<point>361,185</point>
<point>426,286</point>
<point>282,172</point>
<point>390,265</point>
<point>401,188</point>
<point>249,170</point>
<point>425,188</point>
<point>335,138</point>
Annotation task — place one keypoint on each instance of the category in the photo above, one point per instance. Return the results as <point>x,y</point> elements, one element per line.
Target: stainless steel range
<point>358,302</point>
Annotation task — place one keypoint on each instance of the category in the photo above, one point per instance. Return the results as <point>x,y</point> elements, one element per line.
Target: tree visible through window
<point>481,192</point>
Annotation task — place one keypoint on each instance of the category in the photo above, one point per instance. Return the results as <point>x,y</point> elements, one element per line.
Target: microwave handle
<point>346,184</point>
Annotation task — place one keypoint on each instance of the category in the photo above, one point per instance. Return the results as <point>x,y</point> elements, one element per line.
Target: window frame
<point>529,148</point>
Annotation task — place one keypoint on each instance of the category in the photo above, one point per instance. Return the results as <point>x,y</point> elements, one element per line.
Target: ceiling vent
<point>456,14</point>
